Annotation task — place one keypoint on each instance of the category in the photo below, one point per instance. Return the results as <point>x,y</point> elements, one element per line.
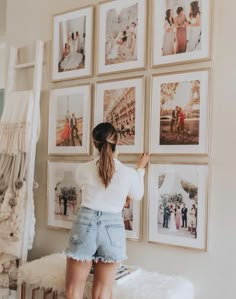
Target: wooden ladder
<point>13,67</point>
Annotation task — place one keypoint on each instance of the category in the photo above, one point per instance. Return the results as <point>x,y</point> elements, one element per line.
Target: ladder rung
<point>24,65</point>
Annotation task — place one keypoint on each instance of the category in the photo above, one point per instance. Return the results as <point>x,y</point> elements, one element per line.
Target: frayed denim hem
<point>94,259</point>
<point>108,260</point>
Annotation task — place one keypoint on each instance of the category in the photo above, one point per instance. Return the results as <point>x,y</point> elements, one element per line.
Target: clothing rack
<point>13,67</point>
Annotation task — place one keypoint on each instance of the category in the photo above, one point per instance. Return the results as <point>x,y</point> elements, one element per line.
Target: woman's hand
<point>143,160</point>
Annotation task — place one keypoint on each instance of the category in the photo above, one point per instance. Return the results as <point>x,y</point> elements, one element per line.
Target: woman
<point>180,125</point>
<point>98,236</point>
<point>181,32</point>
<point>194,30</point>
<point>160,214</point>
<point>73,60</point>
<point>177,217</point>
<point>169,35</point>
<point>66,133</point>
<point>193,219</point>
<point>172,225</point>
<point>78,41</point>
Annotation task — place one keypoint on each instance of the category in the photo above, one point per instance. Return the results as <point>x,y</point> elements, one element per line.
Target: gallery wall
<point>212,272</point>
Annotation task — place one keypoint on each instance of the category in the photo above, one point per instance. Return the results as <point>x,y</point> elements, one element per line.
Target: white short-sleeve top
<point>125,182</point>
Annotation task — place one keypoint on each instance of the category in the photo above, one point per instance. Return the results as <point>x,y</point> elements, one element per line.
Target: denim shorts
<point>97,236</point>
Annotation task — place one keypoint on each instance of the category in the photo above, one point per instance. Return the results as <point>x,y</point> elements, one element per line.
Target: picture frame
<point>180,113</point>
<point>69,120</point>
<point>184,37</point>
<point>121,36</point>
<point>177,205</point>
<point>131,213</point>
<point>64,196</point>
<point>121,102</point>
<point>72,44</point>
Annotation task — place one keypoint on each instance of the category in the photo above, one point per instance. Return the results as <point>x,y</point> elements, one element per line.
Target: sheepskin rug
<point>49,272</point>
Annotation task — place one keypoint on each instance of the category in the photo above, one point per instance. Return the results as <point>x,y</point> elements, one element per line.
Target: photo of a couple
<point>72,44</point>
<point>121,35</point>
<point>67,196</point>
<point>182,27</point>
<point>178,204</point>
<point>69,129</point>
<point>180,113</point>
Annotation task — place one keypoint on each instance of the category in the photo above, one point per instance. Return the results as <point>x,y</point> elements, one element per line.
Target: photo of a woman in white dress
<point>72,35</point>
<point>169,35</point>
<point>194,28</point>
<point>172,224</point>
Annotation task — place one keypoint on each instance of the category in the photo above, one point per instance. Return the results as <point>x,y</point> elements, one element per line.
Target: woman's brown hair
<point>105,139</point>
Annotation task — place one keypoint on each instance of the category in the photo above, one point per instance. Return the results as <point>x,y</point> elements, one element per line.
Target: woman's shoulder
<point>86,165</point>
<point>125,168</point>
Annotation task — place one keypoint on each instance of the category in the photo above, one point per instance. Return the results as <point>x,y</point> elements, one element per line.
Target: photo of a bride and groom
<point>180,113</point>
<point>72,44</point>
<point>121,35</point>
<point>177,210</point>
<point>69,127</point>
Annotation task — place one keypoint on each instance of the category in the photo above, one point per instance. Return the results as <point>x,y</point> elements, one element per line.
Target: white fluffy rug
<point>49,272</point>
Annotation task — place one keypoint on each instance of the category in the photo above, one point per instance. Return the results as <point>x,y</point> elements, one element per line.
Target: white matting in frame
<point>64,196</point>
<point>178,205</point>
<point>122,40</point>
<point>180,113</point>
<point>72,44</point>
<point>121,103</point>
<point>69,120</point>
<point>176,45</point>
<point>132,215</point>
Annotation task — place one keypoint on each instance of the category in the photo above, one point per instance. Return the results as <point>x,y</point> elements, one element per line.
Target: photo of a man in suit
<point>74,129</point>
<point>184,212</point>
<point>166,216</point>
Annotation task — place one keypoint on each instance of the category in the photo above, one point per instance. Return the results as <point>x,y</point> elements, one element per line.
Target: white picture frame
<point>72,44</point>
<point>166,48</point>
<point>132,215</point>
<point>187,93</point>
<point>173,186</point>
<point>69,134</point>
<point>61,180</point>
<point>122,95</point>
<point>118,52</point>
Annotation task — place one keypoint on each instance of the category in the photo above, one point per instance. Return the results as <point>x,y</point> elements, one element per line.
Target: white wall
<point>214,272</point>
<point>3,9</point>
<point>2,66</point>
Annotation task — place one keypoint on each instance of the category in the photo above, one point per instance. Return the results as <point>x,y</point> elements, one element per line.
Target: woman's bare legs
<point>76,276</point>
<point>104,276</point>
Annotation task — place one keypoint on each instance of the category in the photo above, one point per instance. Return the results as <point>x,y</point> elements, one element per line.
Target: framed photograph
<point>178,205</point>
<point>181,31</point>
<point>69,120</point>
<point>121,103</point>
<point>64,195</point>
<point>132,216</point>
<point>72,44</point>
<point>180,113</point>
<point>122,36</point>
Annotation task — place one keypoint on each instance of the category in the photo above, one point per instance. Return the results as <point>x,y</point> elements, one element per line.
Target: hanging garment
<point>15,124</point>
